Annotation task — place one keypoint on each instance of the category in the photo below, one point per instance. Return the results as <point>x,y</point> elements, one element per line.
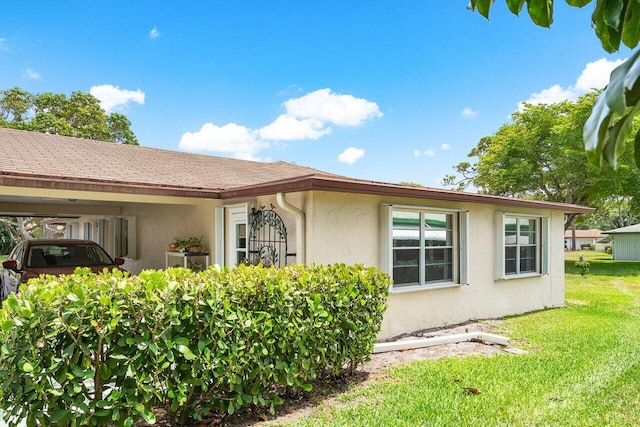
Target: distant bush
<point>102,349</point>
<point>583,267</point>
<point>587,247</point>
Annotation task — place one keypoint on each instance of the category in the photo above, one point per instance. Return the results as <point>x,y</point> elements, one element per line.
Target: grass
<point>582,367</point>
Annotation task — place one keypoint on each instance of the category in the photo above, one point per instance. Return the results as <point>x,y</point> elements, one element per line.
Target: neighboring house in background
<point>584,237</point>
<point>625,243</point>
<point>454,256</point>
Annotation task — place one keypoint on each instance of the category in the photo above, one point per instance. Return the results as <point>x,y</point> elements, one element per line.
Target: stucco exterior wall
<point>345,228</point>
<point>158,224</point>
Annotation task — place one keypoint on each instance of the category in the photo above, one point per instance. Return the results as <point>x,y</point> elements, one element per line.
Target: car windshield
<point>67,255</point>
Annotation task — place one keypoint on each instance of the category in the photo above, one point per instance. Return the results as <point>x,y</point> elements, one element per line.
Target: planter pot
<point>195,249</point>
<point>173,247</point>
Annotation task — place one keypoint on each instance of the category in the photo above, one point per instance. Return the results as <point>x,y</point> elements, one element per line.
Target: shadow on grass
<point>601,264</point>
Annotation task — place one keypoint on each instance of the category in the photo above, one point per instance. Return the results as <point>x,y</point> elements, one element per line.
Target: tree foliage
<point>540,156</point>
<point>79,115</point>
<point>611,121</point>
<point>614,212</point>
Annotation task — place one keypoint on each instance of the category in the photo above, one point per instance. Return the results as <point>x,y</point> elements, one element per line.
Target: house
<point>454,256</point>
<point>584,237</point>
<point>625,243</point>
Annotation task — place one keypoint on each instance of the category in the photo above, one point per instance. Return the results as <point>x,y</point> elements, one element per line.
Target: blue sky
<point>382,90</point>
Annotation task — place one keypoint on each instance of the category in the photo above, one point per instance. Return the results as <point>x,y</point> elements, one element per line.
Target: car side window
<point>17,254</point>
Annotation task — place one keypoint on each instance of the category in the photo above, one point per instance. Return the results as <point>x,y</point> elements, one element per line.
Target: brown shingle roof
<point>31,159</point>
<point>593,233</point>
<point>37,154</point>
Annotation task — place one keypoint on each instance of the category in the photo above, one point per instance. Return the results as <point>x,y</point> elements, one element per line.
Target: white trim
<point>386,244</point>
<point>518,276</point>
<point>423,208</point>
<point>407,289</point>
<point>545,228</point>
<point>463,248</point>
<point>522,215</point>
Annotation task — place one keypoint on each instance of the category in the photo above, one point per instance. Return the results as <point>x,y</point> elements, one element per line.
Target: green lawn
<point>582,367</point>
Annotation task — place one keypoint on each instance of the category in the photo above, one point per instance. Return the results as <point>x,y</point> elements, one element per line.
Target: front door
<point>237,232</point>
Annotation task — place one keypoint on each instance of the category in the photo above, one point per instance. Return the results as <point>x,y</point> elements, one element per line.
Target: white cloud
<point>445,147</point>
<point>113,98</point>
<point>154,33</point>
<point>33,75</point>
<point>307,117</point>
<point>428,153</point>
<point>310,116</point>
<point>328,107</point>
<point>3,44</point>
<point>351,155</point>
<point>468,113</point>
<point>594,76</point>
<point>552,95</point>
<point>289,128</point>
<point>290,90</point>
<point>230,138</point>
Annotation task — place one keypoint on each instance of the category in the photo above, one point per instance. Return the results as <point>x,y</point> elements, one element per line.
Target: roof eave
<point>339,184</point>
<point>73,184</point>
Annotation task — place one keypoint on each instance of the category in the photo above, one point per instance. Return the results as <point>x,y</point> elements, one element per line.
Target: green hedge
<point>101,349</point>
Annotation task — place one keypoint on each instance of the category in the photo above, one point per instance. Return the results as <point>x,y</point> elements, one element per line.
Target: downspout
<point>301,234</point>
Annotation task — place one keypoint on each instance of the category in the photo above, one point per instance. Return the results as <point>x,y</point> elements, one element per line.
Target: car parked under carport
<point>31,258</point>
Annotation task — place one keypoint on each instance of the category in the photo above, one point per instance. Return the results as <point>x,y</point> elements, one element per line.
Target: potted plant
<point>189,244</point>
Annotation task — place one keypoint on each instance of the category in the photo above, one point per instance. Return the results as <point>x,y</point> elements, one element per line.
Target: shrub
<point>583,266</point>
<point>89,349</point>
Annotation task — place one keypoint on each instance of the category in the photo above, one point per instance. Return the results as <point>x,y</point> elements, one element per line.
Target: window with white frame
<point>425,247</point>
<point>522,245</point>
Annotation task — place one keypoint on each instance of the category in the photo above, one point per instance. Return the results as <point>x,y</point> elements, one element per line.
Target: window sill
<point>421,288</point>
<point>519,276</point>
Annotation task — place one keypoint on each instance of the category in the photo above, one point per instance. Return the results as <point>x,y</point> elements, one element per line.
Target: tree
<point>611,120</point>
<point>14,106</point>
<point>614,212</point>
<point>540,156</point>
<point>80,116</point>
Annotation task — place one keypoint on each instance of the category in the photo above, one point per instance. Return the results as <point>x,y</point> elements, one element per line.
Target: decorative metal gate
<point>267,239</point>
